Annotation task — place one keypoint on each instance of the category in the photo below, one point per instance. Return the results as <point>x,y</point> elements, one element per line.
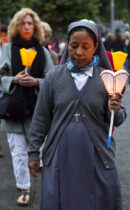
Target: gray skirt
<point>76,178</point>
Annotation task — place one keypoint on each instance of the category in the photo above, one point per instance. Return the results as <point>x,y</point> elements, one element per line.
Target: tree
<point>121,10</point>
<point>57,13</point>
<point>61,13</point>
<point>4,10</point>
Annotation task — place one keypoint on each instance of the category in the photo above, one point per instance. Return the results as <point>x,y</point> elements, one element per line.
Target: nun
<point>73,115</point>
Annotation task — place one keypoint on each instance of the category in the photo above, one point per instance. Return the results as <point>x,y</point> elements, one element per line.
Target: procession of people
<point>59,103</point>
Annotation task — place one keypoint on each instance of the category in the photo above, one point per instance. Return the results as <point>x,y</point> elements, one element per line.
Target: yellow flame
<point>119,59</point>
<point>27,56</point>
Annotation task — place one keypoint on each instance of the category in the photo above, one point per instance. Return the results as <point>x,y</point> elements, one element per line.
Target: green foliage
<point>63,12</point>
<point>59,13</point>
<point>121,10</point>
<point>4,9</point>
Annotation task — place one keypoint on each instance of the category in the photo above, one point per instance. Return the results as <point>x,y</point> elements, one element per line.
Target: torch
<point>115,82</point>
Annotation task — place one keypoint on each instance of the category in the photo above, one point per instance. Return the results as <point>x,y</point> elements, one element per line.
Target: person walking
<point>118,43</point>
<point>24,31</point>
<point>3,36</point>
<point>48,34</point>
<point>73,111</point>
<point>108,44</point>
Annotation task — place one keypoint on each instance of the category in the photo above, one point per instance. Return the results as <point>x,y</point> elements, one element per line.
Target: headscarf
<point>104,61</point>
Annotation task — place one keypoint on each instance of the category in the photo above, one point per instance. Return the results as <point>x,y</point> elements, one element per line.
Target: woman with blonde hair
<point>48,35</point>
<point>24,31</point>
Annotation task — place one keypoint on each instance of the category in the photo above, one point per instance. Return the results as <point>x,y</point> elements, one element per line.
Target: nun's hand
<point>114,102</point>
<point>34,166</point>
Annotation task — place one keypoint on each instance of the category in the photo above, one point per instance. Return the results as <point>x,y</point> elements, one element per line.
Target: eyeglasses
<point>27,24</point>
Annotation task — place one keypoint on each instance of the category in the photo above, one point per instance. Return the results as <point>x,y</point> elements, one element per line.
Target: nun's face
<point>81,48</point>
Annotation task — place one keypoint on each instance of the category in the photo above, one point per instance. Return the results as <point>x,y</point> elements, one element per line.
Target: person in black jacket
<point>109,42</point>
<point>118,42</point>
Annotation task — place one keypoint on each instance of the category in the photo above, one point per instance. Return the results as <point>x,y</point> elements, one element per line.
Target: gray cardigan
<point>6,78</point>
<point>58,101</point>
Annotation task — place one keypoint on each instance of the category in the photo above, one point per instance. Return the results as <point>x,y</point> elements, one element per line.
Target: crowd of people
<point>52,102</point>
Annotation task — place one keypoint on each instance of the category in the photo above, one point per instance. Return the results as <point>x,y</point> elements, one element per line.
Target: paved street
<point>8,191</point>
<point>9,194</point>
<point>122,136</point>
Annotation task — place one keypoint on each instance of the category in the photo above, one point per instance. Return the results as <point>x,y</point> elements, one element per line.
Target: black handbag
<point>19,105</point>
<point>4,99</point>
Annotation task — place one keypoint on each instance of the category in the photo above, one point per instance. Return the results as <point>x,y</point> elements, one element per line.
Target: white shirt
<point>81,79</point>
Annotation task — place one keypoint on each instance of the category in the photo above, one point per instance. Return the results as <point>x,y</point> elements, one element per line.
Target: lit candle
<point>27,57</point>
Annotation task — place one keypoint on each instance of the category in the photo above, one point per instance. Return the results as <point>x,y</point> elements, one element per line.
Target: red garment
<point>110,59</point>
<point>59,61</point>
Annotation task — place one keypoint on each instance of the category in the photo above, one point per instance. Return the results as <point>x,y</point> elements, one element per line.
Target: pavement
<point>9,193</point>
<point>122,137</point>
